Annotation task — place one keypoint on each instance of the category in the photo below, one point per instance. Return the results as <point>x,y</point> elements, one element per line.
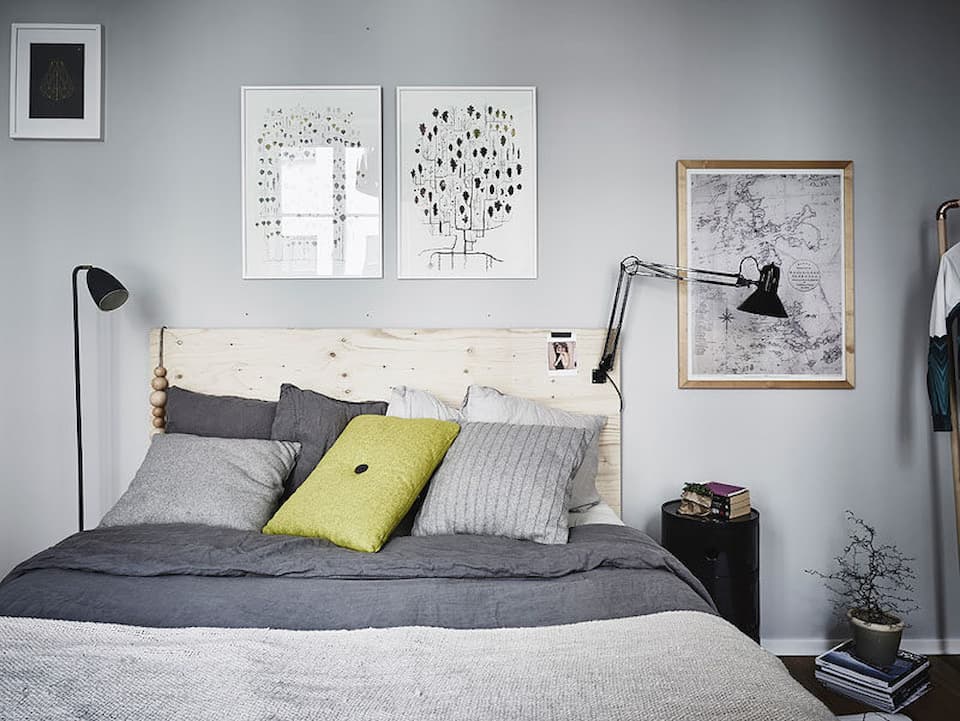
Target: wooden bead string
<point>159,383</point>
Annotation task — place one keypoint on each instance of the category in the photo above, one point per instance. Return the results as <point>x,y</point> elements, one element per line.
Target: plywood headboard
<point>363,363</point>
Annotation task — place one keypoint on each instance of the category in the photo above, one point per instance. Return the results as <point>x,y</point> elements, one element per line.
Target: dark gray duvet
<point>187,575</point>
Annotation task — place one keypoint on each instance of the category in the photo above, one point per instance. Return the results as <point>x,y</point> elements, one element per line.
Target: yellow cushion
<point>365,484</point>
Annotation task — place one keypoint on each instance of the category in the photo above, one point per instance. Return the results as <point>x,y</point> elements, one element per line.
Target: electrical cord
<point>619,394</point>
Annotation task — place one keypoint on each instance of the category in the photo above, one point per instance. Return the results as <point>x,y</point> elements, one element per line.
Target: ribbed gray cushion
<point>229,482</point>
<point>499,479</point>
<point>315,421</point>
<point>488,405</point>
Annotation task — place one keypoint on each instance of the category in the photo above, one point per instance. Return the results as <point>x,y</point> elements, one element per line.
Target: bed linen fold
<point>188,575</point>
<point>199,550</point>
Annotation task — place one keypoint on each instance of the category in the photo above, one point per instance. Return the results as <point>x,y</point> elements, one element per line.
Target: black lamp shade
<point>764,300</point>
<point>107,292</point>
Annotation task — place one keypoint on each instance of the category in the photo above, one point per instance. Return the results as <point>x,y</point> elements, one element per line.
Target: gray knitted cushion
<point>488,405</point>
<point>499,479</point>
<point>229,482</point>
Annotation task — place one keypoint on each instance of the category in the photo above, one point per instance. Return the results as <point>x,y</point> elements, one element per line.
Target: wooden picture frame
<point>55,81</point>
<point>312,181</point>
<point>796,214</point>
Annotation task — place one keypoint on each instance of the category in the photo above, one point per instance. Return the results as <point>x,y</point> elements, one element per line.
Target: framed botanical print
<point>466,182</point>
<point>795,215</point>
<point>55,81</point>
<point>312,182</point>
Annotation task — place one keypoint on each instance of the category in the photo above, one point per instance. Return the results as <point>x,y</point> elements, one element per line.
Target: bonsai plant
<point>872,587</point>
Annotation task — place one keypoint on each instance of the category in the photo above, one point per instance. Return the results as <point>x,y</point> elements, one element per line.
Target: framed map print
<point>466,182</point>
<point>311,160</point>
<point>797,215</point>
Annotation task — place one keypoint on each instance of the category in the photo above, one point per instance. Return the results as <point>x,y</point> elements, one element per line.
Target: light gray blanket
<point>672,666</point>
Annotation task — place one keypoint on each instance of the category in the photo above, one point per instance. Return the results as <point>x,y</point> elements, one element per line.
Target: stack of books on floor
<point>729,501</point>
<point>890,688</point>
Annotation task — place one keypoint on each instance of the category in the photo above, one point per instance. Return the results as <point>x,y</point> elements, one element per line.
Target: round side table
<point>724,556</point>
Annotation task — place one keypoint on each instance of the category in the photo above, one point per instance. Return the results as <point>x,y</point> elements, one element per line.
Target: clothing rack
<point>942,211</point>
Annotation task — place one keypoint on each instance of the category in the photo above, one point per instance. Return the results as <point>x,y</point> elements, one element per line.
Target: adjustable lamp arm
<point>631,266</point>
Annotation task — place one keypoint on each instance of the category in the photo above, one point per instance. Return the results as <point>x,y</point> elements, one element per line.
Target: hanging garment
<point>946,307</point>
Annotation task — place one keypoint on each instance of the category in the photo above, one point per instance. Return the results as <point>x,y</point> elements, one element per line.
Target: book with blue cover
<point>909,693</point>
<point>841,660</point>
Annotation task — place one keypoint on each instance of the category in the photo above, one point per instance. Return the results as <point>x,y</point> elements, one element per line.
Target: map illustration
<point>794,219</point>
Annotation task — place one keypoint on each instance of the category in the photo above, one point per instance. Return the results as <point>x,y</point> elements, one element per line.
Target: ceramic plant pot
<point>875,643</point>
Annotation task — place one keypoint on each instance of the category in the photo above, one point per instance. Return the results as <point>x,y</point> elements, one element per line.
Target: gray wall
<point>624,90</point>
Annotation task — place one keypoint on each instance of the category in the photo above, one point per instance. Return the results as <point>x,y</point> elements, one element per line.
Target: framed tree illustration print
<point>467,182</point>
<point>311,160</point>
<point>55,80</point>
<point>797,215</point>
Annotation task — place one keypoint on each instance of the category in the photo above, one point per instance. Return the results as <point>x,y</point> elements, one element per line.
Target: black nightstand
<point>725,556</point>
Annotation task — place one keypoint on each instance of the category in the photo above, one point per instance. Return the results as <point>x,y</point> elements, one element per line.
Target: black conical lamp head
<point>764,300</point>
<point>107,292</point>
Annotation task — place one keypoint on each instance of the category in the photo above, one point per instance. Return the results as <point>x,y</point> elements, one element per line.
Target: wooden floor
<point>941,703</point>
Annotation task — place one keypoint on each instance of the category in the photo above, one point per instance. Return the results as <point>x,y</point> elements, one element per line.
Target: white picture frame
<point>55,81</point>
<point>311,181</point>
<point>493,232</point>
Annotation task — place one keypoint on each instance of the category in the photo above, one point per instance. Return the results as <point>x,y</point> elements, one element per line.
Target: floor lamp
<point>108,294</point>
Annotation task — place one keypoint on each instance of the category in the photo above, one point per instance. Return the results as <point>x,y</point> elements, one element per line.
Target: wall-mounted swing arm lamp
<point>108,294</point>
<point>763,301</point>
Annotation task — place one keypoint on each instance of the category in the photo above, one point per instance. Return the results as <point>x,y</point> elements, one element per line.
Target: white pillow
<point>600,513</point>
<point>406,402</point>
<point>488,405</point>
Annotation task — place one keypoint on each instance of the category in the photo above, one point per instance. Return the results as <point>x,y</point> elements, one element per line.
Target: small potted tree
<point>872,587</point>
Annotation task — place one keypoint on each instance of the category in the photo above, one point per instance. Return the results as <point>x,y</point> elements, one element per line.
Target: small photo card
<point>562,354</point>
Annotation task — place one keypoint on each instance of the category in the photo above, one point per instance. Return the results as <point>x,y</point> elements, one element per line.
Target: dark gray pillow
<point>231,482</point>
<point>499,479</point>
<point>314,421</point>
<point>200,414</point>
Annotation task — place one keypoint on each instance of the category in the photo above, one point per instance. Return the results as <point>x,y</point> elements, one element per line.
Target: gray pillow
<point>200,414</point>
<point>229,482</point>
<point>314,421</point>
<point>504,480</point>
<point>488,405</point>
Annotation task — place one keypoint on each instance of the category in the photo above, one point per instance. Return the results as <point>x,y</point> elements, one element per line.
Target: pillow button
<point>361,468</point>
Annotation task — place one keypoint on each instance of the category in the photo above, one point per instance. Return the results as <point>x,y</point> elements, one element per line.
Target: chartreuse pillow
<point>365,484</point>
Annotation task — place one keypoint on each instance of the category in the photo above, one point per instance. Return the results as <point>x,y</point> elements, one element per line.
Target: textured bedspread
<point>180,575</point>
<point>675,666</point>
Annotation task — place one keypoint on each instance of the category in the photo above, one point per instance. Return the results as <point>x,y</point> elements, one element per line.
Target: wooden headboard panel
<point>363,363</point>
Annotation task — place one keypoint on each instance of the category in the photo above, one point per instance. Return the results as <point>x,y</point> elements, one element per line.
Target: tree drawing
<point>466,179</point>
<point>290,136</point>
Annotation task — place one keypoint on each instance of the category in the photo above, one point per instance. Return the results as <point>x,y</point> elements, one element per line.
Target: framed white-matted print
<point>466,182</point>
<point>55,81</point>
<point>312,182</point>
<point>795,215</point>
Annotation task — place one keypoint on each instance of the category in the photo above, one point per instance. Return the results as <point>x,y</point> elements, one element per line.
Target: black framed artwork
<point>55,81</point>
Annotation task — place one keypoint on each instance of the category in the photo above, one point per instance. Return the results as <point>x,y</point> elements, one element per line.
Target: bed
<point>188,620</point>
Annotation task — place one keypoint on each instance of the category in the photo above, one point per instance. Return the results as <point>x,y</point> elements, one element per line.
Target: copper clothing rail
<point>942,211</point>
